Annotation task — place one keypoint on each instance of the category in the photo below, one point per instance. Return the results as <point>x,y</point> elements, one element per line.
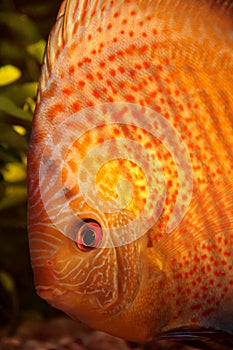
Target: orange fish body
<point>130,167</point>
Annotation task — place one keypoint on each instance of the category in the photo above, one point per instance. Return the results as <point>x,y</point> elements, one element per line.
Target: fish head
<point>85,267</point>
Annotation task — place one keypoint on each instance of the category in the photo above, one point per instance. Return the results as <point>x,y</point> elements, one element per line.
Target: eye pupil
<point>88,237</point>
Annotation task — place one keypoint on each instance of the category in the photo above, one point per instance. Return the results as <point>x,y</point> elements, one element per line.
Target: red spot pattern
<point>55,110</point>
<point>134,72</point>
<point>67,91</point>
<point>76,106</point>
<point>71,69</point>
<point>81,84</point>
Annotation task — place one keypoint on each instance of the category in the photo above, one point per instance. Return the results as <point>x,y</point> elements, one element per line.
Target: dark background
<point>24,28</point>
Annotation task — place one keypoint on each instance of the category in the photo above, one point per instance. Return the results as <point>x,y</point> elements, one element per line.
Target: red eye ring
<point>89,236</point>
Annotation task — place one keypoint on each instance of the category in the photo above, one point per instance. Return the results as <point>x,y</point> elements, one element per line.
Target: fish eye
<point>89,236</point>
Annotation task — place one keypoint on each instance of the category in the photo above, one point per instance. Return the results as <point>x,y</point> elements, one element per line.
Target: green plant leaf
<point>9,74</point>
<point>7,106</point>
<point>7,281</point>
<point>20,92</point>
<point>20,26</point>
<point>11,139</point>
<point>14,172</point>
<point>8,155</point>
<point>37,50</point>
<point>11,52</point>
<point>14,195</point>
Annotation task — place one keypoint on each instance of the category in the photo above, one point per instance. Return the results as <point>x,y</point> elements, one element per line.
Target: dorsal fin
<point>76,14</point>
<point>72,15</point>
<point>225,5</point>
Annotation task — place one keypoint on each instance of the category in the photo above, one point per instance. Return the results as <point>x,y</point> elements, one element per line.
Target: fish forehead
<point>95,47</point>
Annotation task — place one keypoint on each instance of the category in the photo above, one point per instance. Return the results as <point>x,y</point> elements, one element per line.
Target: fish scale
<point>174,57</point>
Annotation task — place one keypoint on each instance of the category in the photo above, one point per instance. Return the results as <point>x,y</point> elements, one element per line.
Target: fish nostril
<point>49,263</point>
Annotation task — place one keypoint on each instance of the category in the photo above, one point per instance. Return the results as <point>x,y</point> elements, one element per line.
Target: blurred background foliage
<point>24,28</point>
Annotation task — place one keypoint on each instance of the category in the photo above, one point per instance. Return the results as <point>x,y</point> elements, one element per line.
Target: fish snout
<point>44,292</point>
<point>45,279</point>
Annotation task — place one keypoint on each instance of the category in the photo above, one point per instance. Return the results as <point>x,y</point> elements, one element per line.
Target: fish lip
<point>47,292</point>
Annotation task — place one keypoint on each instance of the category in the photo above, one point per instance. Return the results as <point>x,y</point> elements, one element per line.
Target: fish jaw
<point>71,281</point>
<point>78,307</point>
<point>58,286</point>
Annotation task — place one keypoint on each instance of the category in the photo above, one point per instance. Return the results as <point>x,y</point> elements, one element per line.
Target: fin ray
<point>201,338</point>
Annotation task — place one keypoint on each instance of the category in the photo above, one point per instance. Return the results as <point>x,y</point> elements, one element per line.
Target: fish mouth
<point>60,299</point>
<point>48,292</point>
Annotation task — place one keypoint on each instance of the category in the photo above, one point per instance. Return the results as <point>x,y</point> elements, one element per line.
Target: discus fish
<point>135,109</point>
